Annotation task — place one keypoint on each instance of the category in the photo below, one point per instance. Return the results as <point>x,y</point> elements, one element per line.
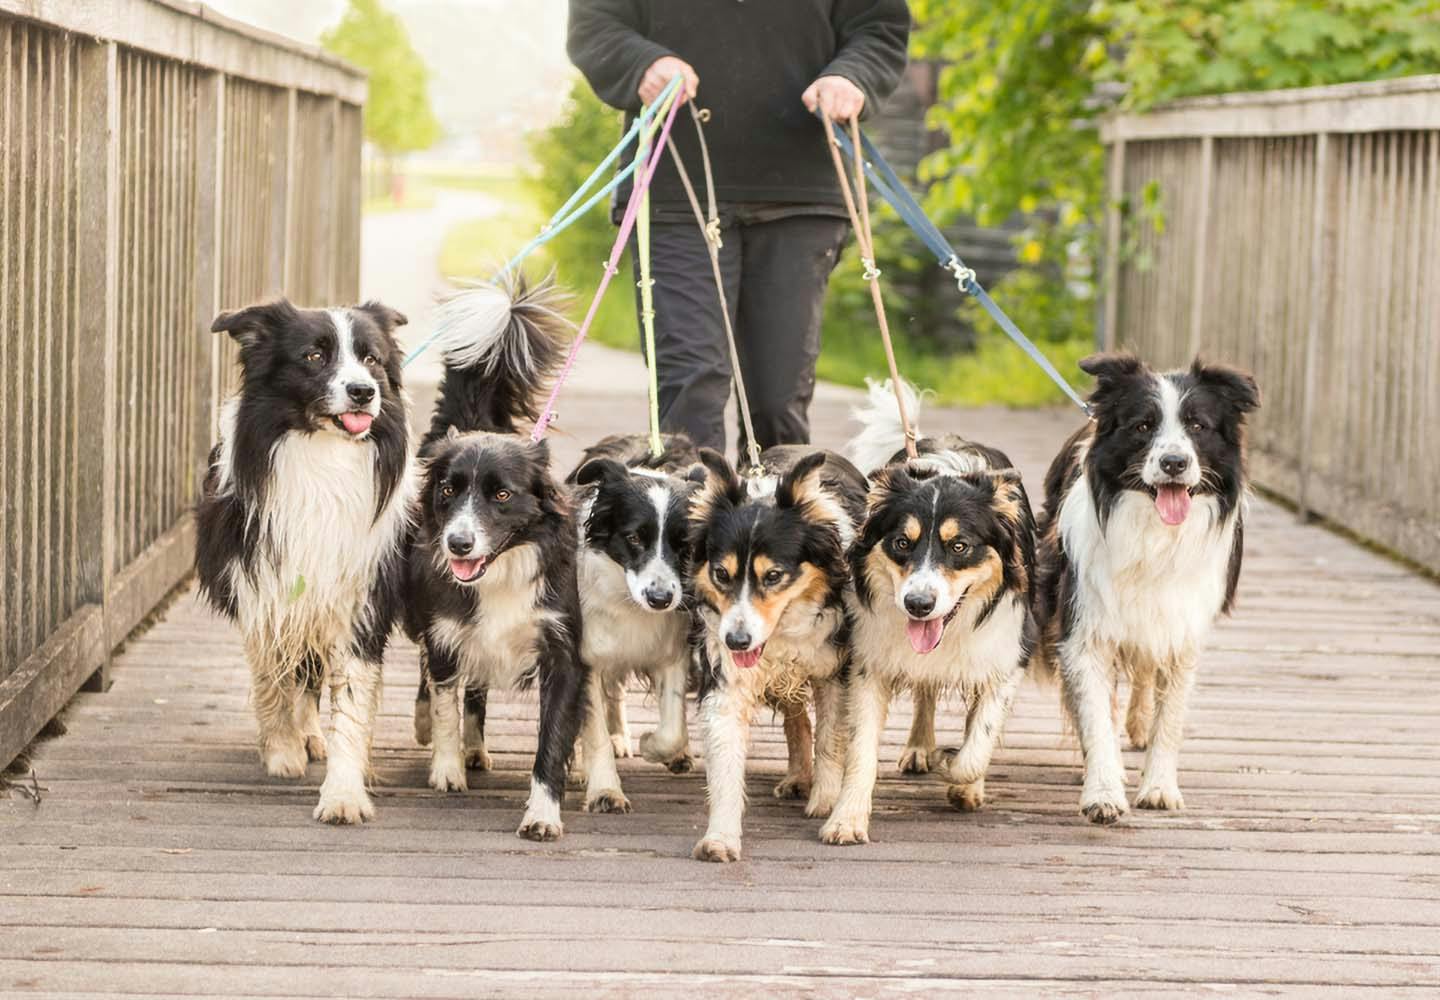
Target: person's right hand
<point>661,72</point>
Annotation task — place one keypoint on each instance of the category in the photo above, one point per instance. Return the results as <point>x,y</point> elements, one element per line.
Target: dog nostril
<point>1173,465</point>
<point>659,599</point>
<point>738,641</point>
<point>460,545</point>
<point>919,605</point>
<point>359,392</point>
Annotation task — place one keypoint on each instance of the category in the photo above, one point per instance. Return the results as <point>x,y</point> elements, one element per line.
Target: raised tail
<point>502,344</point>
<point>882,434</point>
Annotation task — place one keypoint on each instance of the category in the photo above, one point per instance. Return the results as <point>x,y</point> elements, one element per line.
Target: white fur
<point>1172,438</point>
<point>542,814</point>
<point>349,370</point>
<point>882,433</point>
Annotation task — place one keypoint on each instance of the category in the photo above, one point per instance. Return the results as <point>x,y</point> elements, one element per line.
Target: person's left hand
<point>836,96</point>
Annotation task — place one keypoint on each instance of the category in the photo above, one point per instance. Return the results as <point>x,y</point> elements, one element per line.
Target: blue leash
<point>893,190</point>
<point>564,217</point>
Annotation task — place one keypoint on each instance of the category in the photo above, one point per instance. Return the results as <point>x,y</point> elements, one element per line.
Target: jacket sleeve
<point>873,39</point>
<point>605,42</point>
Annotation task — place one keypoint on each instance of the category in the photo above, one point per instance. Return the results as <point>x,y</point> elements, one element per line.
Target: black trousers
<point>775,272</point>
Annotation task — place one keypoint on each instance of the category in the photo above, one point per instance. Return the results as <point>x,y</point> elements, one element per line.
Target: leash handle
<point>860,220</point>
<point>627,223</point>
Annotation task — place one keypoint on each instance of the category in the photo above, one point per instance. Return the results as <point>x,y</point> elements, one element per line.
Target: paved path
<point>162,862</point>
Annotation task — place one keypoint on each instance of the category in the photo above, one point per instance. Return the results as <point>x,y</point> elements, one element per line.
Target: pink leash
<point>627,223</point>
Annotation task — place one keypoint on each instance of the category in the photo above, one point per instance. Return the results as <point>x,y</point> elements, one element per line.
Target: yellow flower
<point>1031,252</point>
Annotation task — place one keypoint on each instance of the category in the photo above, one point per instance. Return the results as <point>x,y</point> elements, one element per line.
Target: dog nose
<point>919,605</point>
<point>738,641</point>
<point>459,543</point>
<point>658,598</point>
<point>1173,465</point>
<point>360,392</point>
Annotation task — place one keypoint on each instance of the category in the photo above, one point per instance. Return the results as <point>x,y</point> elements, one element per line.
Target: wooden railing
<point>158,163</point>
<point>1301,240</point>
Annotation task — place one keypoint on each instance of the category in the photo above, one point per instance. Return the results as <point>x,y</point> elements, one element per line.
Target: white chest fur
<point>799,650</point>
<point>1141,584</point>
<point>968,658</point>
<point>620,637</point>
<point>500,644</point>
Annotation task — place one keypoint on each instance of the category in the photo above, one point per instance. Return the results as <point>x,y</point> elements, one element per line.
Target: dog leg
<point>1086,684</point>
<point>726,717</point>
<point>275,695</point>
<point>967,798</point>
<point>921,742</point>
<point>354,700</point>
<point>983,725</point>
<point>307,720</point>
<point>476,755</point>
<point>799,743</point>
<point>423,722</point>
<point>1160,781</point>
<point>447,748</point>
<point>1141,710</point>
<point>669,744</point>
<point>615,720</point>
<point>849,822</point>
<point>602,785</point>
<point>564,681</point>
<point>830,733</point>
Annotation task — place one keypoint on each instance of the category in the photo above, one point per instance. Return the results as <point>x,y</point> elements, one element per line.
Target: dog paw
<point>479,758</point>
<point>718,849</point>
<point>915,760</point>
<point>1103,806</point>
<point>1139,740</point>
<point>315,746</point>
<point>656,752</point>
<point>341,804</point>
<point>285,759</point>
<point>822,800</point>
<point>609,800</point>
<point>534,828</point>
<point>447,774</point>
<point>841,831</point>
<point>1159,796</point>
<point>966,798</point>
<point>620,742</point>
<point>793,788</point>
<point>683,764</point>
<point>953,766</point>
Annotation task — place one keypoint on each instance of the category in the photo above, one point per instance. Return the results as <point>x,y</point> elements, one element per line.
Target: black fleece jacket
<point>754,59</point>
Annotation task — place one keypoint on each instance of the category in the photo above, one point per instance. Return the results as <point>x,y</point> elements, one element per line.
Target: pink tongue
<point>356,423</point>
<point>1173,503</point>
<point>748,658</point>
<point>925,636</point>
<point>464,569</point>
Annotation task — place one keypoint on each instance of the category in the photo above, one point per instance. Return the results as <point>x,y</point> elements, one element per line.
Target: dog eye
<point>1143,427</point>
<point>314,357</point>
<point>958,547</point>
<point>371,360</point>
<point>502,495</point>
<point>1197,425</point>
<point>902,544</point>
<point>773,577</point>
<point>447,491</point>
<point>633,539</point>
<point>720,573</point>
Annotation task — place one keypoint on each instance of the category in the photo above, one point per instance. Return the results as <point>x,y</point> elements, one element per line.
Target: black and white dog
<point>302,527</point>
<point>1141,544</point>
<point>945,559</point>
<point>491,590</point>
<point>633,564</point>
<point>770,578</point>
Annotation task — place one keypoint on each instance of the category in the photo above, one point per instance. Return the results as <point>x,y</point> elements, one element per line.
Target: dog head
<point>757,556</point>
<point>638,518</point>
<point>484,494</point>
<point>1172,435</point>
<point>933,543</point>
<point>319,370</point>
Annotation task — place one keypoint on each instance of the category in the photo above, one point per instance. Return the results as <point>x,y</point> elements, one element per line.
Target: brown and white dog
<point>1141,544</point>
<point>941,605</point>
<point>770,575</point>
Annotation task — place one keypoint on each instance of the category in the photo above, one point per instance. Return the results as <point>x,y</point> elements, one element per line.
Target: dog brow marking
<point>949,528</point>
<point>912,528</point>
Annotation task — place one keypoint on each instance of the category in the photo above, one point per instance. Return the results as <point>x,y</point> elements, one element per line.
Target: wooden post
<point>286,233</point>
<point>210,196</point>
<point>1202,246</point>
<point>1322,257</point>
<point>99,181</point>
<point>1114,194</point>
<point>277,274</point>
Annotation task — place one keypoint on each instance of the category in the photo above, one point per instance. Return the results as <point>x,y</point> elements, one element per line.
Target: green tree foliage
<point>1025,83</point>
<point>398,116</point>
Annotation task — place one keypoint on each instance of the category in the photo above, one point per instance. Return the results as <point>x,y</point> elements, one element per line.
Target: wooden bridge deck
<point>162,862</point>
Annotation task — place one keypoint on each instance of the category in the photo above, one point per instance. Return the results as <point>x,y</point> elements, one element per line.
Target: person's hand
<point>661,72</point>
<point>836,96</point>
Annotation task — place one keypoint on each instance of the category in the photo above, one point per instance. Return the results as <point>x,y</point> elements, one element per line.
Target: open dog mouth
<point>354,423</point>
<point>925,634</point>
<point>1172,502</point>
<point>468,570</point>
<point>747,658</point>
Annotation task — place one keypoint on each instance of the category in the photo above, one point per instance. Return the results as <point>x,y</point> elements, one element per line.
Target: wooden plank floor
<point>163,862</point>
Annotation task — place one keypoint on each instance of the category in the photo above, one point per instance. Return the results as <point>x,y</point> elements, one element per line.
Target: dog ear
<point>1111,367</point>
<point>802,484</point>
<point>695,474</point>
<point>252,324</point>
<point>606,469</point>
<point>1237,388</point>
<point>388,319</point>
<point>722,488</point>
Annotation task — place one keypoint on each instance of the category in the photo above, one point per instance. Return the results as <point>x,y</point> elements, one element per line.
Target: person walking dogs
<point>767,67</point>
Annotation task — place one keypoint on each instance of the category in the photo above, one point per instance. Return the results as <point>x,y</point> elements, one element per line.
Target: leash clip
<point>871,271</point>
<point>964,276</point>
<point>712,234</point>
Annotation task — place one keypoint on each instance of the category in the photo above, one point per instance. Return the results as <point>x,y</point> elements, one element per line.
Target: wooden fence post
<point>1202,246</point>
<point>97,254</point>
<point>1114,196</point>
<point>286,202</point>
<point>1322,255</point>
<point>210,196</point>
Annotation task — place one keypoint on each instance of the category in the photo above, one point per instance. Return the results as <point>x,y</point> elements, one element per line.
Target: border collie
<point>769,579</point>
<point>945,558</point>
<point>1140,552</point>
<point>492,598</point>
<point>301,530</point>
<point>633,534</point>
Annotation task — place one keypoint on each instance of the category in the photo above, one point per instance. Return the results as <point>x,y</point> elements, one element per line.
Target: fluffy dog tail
<point>502,344</point>
<point>881,432</point>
